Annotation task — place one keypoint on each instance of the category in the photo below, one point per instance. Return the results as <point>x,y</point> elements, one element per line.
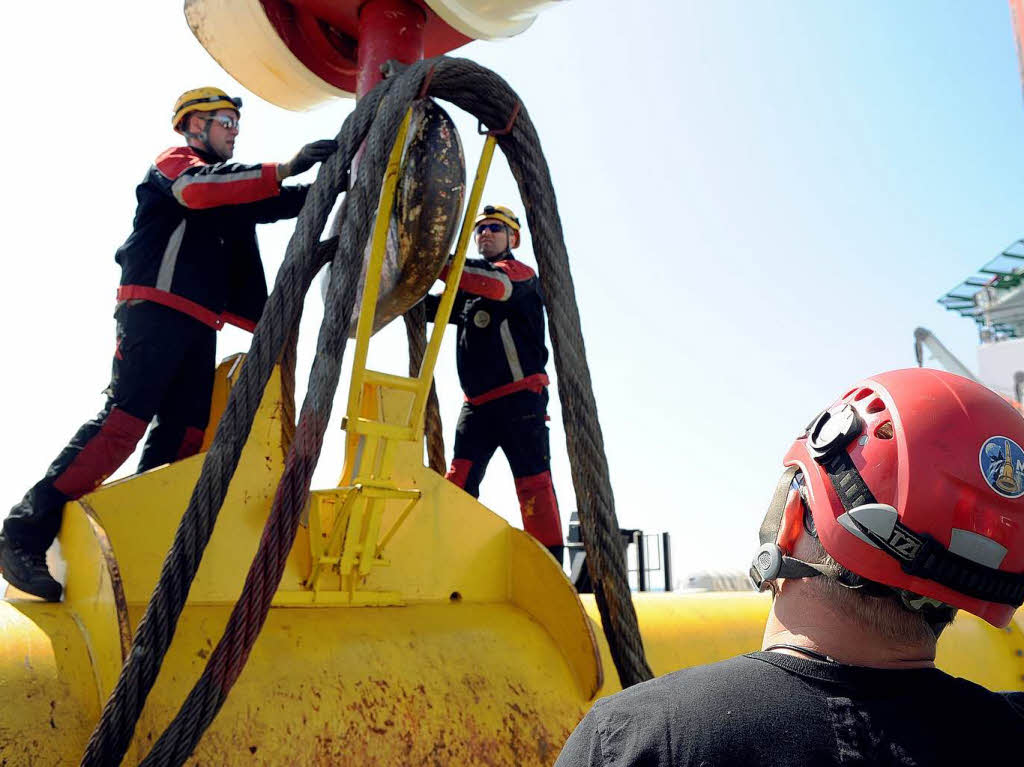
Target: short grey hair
<point>895,615</point>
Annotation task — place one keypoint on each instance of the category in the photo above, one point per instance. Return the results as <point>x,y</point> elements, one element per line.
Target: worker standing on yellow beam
<point>501,356</point>
<point>191,264</point>
<point>885,522</point>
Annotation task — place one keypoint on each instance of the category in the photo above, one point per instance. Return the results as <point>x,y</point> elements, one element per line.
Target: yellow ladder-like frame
<point>383,411</point>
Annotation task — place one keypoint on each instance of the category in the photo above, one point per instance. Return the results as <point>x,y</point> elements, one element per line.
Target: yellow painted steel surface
<point>449,683</point>
<point>48,697</point>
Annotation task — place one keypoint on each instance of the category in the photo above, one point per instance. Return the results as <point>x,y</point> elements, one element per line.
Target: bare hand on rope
<point>307,157</point>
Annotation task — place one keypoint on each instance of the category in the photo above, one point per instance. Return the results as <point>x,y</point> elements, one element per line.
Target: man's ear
<point>194,123</point>
<point>792,522</point>
<point>514,239</point>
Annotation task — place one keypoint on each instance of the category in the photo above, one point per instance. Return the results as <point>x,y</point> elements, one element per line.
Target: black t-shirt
<point>766,709</point>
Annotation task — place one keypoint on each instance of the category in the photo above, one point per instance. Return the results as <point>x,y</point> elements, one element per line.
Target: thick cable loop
<point>289,356</point>
<point>376,119</point>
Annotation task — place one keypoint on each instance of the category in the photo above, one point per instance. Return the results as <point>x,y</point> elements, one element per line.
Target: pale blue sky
<point>761,201</point>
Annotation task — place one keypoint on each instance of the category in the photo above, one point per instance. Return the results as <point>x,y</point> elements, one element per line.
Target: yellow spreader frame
<point>384,410</point>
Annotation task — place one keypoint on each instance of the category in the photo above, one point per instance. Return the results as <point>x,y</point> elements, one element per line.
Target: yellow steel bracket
<point>383,411</point>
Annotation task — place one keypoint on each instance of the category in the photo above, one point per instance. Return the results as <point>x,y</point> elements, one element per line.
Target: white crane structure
<point>994,298</point>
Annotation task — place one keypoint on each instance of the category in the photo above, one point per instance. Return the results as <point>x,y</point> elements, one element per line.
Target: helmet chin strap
<point>771,562</point>
<point>204,137</point>
<point>507,253</point>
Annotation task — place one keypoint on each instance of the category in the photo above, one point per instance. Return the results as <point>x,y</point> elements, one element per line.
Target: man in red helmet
<point>887,520</point>
<point>501,355</point>
<point>190,265</point>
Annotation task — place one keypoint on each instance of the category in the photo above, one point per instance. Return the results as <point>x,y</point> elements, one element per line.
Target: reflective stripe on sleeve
<point>198,191</point>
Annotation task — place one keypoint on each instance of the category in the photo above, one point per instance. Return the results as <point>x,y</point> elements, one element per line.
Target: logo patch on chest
<point>481,319</point>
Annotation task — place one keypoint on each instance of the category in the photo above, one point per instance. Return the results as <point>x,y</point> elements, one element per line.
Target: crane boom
<point>925,338</point>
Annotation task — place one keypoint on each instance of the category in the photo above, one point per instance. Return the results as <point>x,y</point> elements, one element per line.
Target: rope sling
<point>375,121</point>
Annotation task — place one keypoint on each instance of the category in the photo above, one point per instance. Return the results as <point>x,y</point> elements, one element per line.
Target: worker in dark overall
<point>886,520</point>
<point>190,265</point>
<point>501,355</point>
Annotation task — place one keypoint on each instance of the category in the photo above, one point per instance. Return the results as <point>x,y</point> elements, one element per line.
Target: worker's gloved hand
<point>307,157</point>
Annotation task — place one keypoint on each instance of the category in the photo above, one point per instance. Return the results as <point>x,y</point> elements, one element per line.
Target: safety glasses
<point>489,228</point>
<point>226,121</point>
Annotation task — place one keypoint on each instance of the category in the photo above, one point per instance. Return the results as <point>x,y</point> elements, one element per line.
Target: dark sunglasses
<point>481,228</point>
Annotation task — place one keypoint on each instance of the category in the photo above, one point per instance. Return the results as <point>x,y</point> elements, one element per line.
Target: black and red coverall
<point>501,356</point>
<point>191,264</point>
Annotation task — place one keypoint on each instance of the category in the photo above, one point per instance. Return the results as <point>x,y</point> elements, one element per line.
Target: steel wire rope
<point>288,361</point>
<point>488,97</point>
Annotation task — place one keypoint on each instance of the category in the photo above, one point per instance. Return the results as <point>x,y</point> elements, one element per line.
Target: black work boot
<point>27,571</point>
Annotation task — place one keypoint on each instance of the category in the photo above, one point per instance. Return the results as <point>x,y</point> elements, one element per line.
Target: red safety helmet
<point>914,480</point>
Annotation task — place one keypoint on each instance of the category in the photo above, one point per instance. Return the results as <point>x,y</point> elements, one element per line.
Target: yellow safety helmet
<point>202,100</point>
<point>501,213</point>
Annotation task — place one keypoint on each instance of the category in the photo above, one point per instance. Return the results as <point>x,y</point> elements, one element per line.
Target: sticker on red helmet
<point>1002,465</point>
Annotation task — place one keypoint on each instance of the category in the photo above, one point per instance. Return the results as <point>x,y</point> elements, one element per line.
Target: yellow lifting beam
<point>383,411</point>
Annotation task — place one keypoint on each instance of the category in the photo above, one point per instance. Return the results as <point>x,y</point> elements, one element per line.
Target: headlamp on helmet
<point>499,213</point>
